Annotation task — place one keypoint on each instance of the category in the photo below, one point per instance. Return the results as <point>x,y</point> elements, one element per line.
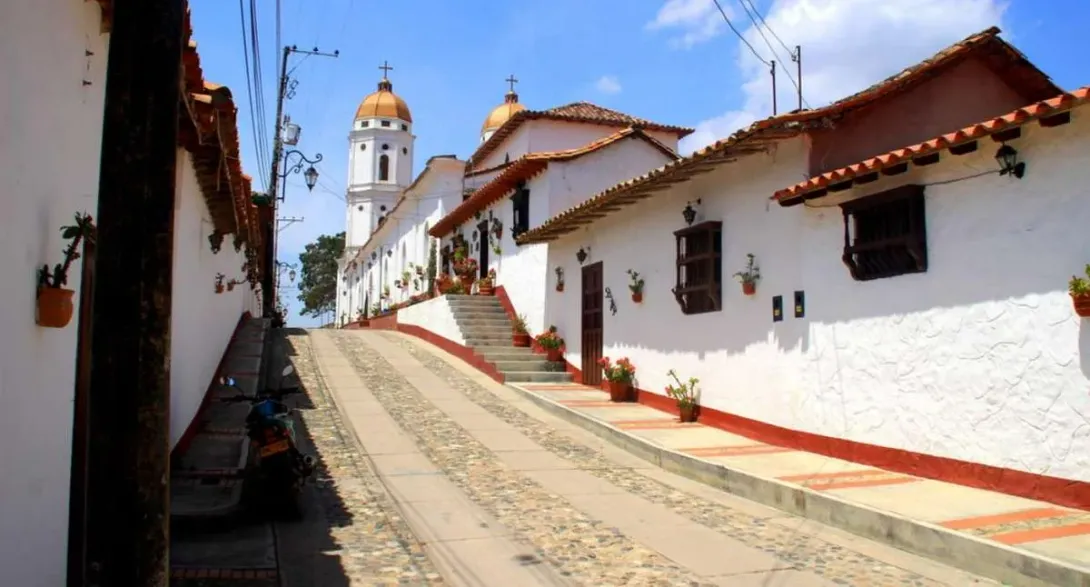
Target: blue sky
<point>672,61</point>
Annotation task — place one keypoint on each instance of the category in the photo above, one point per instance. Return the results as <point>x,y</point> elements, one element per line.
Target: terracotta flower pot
<point>554,355</point>
<point>637,297</point>
<point>1082,305</point>
<point>520,339</point>
<point>560,287</point>
<point>54,307</point>
<point>687,413</point>
<point>749,288</point>
<point>485,291</point>
<point>620,391</point>
<point>219,288</point>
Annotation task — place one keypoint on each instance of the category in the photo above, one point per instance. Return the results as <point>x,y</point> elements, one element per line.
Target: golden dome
<point>385,103</point>
<point>500,114</point>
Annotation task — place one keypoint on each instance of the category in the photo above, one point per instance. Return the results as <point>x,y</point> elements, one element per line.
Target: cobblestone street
<point>433,474</point>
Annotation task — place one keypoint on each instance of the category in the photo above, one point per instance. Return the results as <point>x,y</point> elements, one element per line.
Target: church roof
<point>1008,63</point>
<point>584,112</point>
<point>383,102</point>
<point>526,167</point>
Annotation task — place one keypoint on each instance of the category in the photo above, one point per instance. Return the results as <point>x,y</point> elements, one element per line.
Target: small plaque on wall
<point>800,304</point>
<point>777,308</point>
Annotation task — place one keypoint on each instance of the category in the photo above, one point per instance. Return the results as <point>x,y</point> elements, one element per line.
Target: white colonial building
<point>393,226</point>
<point>913,292</point>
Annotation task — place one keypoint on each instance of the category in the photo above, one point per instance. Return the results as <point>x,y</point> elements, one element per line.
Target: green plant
<point>635,282</point>
<point>685,394</point>
<point>518,325</point>
<point>83,229</point>
<point>432,265</point>
<point>386,291</point>
<point>550,339</point>
<point>1080,286</point>
<point>752,273</point>
<point>622,372</point>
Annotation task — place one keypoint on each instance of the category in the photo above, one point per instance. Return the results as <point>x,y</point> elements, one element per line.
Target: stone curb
<point>963,551</point>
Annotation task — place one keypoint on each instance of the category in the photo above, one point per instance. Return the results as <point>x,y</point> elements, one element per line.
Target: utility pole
<point>773,87</point>
<point>288,221</point>
<point>797,57</point>
<point>268,293</point>
<point>129,411</point>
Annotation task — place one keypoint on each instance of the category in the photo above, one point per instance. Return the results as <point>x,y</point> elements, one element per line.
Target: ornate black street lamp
<point>310,175</point>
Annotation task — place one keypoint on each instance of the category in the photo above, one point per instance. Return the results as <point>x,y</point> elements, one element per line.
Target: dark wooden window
<point>384,168</point>
<point>385,123</point>
<point>520,208</point>
<point>885,234</point>
<point>699,267</point>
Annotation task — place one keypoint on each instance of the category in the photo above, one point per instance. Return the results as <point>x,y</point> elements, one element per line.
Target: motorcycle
<point>279,467</point>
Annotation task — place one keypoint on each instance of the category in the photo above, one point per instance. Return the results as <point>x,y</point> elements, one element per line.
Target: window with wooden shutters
<point>520,207</point>
<point>885,234</point>
<point>699,267</point>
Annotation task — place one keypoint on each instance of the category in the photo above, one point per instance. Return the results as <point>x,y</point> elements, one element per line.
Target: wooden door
<point>482,230</point>
<point>592,323</point>
<point>78,483</point>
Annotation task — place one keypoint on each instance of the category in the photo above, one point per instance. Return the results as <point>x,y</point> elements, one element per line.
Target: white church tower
<point>380,166</point>
<point>380,160</point>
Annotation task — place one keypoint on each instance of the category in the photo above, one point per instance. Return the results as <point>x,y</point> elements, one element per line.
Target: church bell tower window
<point>384,168</point>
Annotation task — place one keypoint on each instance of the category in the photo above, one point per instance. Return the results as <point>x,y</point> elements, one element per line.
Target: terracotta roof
<point>996,53</point>
<point>526,167</point>
<point>584,112</point>
<point>1001,128</point>
<point>208,130</point>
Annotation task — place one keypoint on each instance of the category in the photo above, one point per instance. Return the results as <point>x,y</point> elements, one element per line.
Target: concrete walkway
<point>1012,539</point>
<point>502,492</point>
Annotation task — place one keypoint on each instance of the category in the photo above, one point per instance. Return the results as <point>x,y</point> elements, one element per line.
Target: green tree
<point>318,275</point>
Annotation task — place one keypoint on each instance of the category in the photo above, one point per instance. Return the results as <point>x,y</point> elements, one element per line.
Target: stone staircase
<point>487,331</point>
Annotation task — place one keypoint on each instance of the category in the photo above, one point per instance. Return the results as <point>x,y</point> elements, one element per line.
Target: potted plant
<point>54,307</point>
<point>635,285</point>
<point>520,336</point>
<point>1079,288</point>
<point>750,276</point>
<point>386,292</point>
<point>559,278</point>
<point>686,396</point>
<point>443,282</point>
<point>552,343</point>
<point>484,286</point>
<point>620,376</point>
<point>219,283</point>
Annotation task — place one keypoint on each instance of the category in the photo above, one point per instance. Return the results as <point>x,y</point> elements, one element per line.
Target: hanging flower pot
<point>637,297</point>
<point>749,276</point>
<point>1079,289</point>
<point>54,307</point>
<point>560,287</point>
<point>749,288</point>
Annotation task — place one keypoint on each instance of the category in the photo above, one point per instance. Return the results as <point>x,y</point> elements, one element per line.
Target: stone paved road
<point>581,511</point>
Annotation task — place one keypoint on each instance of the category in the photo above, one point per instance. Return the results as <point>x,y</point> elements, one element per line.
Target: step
<point>477,314</point>
<point>487,340</point>
<point>492,321</point>
<point>495,352</point>
<point>474,301</point>
<point>536,376</point>
<point>478,331</point>
<point>506,364</point>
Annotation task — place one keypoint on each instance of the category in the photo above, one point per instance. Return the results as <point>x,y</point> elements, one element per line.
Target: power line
<point>774,35</point>
<point>250,95</point>
<point>795,55</point>
<point>739,35</point>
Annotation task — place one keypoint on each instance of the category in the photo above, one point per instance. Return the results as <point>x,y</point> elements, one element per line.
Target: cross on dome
<point>512,80</point>
<point>385,67</point>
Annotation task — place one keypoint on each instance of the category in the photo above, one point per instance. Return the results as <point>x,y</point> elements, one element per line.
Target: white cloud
<point>608,84</point>
<point>698,21</point>
<point>847,45</point>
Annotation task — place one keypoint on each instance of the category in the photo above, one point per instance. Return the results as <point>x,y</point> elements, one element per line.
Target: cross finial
<point>385,67</point>
<point>511,80</point>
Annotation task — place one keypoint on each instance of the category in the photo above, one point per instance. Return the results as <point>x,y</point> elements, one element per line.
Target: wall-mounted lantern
<point>689,213</point>
<point>1009,164</point>
<point>311,177</point>
<point>581,255</point>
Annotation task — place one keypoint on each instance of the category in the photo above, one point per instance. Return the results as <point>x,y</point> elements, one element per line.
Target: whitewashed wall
<point>980,359</point>
<point>536,136</point>
<point>434,315</point>
<point>49,160</point>
<point>203,321</point>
